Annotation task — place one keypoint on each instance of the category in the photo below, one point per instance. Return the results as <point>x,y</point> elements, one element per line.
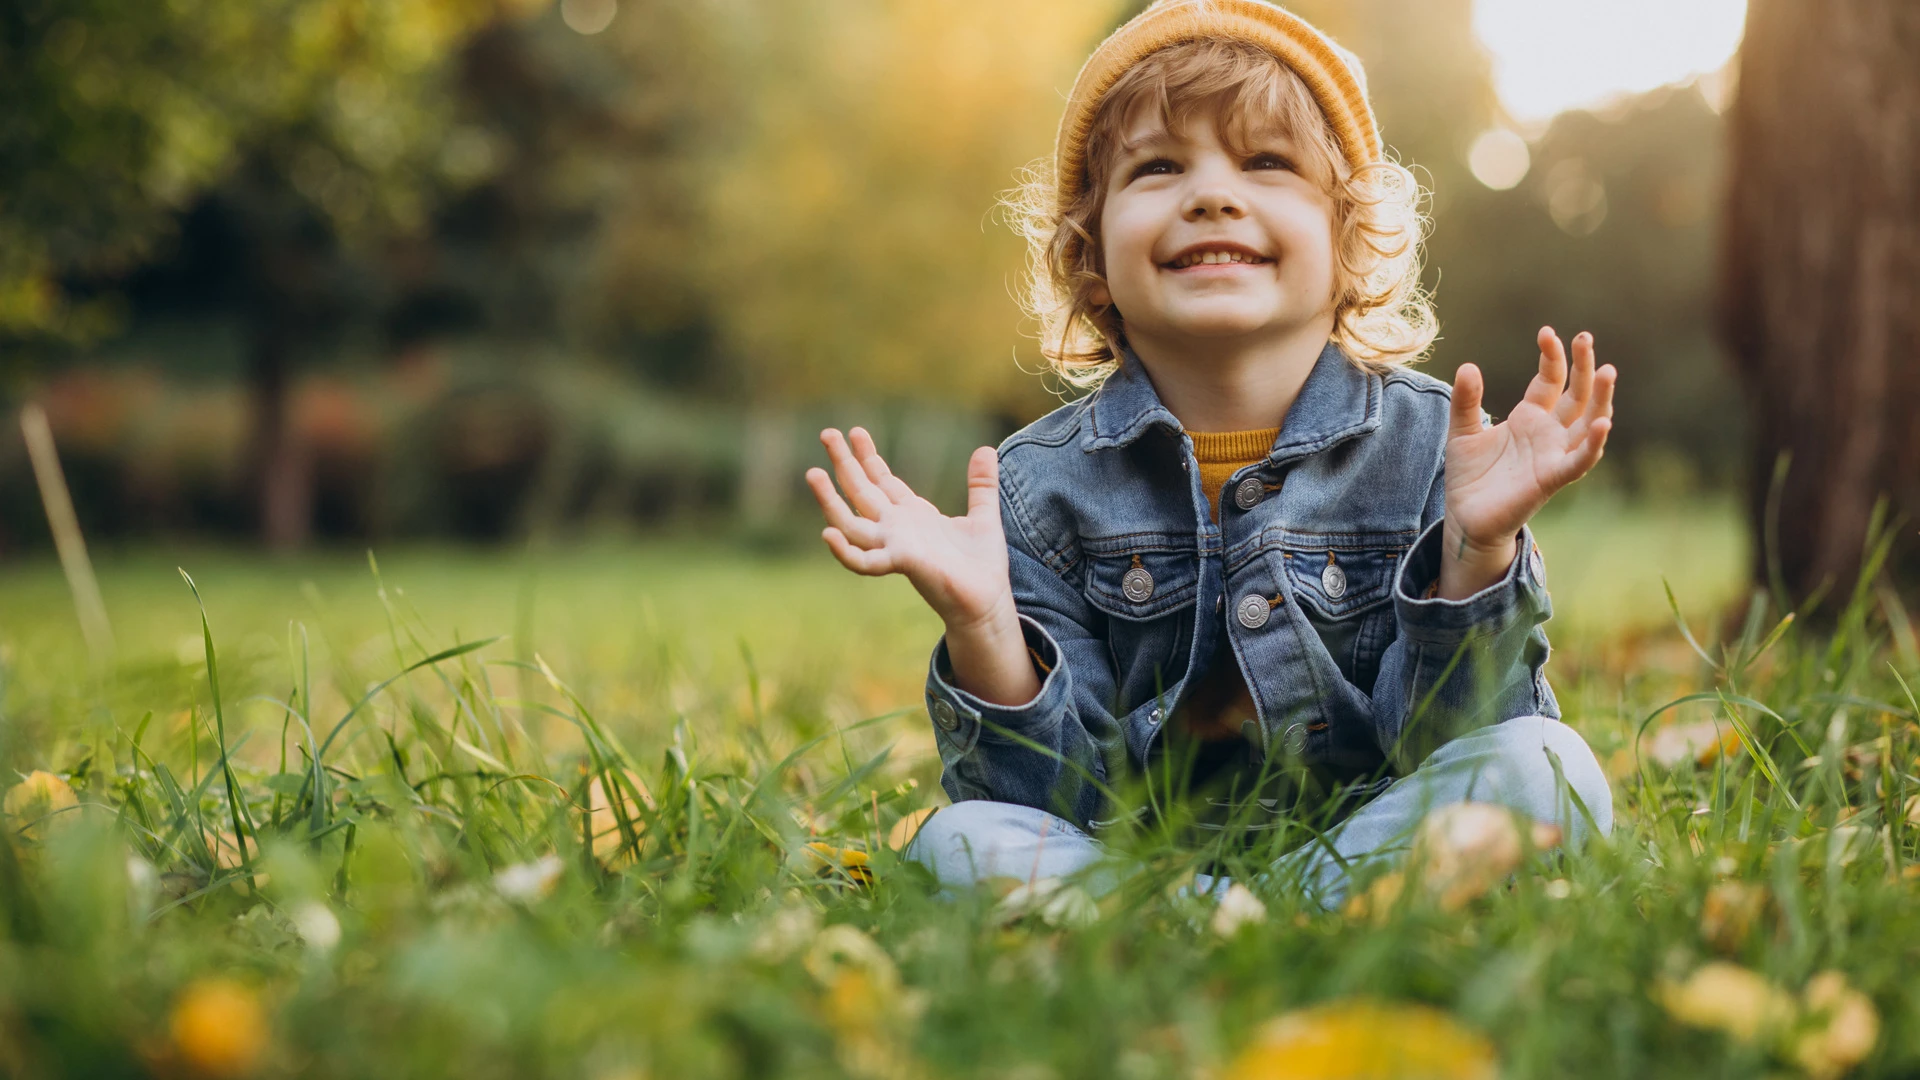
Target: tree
<point>1820,275</point>
<point>323,119</point>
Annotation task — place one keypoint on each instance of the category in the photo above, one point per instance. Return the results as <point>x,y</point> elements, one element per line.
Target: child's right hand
<point>958,564</point>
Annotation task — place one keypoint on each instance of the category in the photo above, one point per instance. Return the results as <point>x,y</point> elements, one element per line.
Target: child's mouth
<point>1214,258</point>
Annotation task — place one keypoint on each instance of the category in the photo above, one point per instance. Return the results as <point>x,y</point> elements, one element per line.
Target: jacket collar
<point>1339,401</point>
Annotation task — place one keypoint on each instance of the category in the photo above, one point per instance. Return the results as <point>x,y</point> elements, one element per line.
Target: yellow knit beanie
<point>1332,74</point>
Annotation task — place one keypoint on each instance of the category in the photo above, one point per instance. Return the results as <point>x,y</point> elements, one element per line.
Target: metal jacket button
<point>1333,580</point>
<point>1294,739</point>
<point>1253,611</point>
<point>1137,585</point>
<point>1248,493</point>
<point>1538,565</point>
<point>944,715</point>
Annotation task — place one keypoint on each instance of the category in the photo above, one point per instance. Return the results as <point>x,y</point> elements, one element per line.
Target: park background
<point>405,326</point>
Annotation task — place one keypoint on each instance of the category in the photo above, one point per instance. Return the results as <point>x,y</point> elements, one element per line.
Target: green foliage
<point>119,113</point>
<point>431,893</point>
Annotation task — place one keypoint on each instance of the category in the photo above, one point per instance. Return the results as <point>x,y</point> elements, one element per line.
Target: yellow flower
<point>1852,1027</point>
<point>852,862</point>
<point>1727,997</point>
<point>1365,1040</point>
<point>33,802</point>
<point>218,1028</point>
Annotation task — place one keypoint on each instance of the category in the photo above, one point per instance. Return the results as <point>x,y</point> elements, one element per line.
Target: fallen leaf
<point>36,803</point>
<point>1726,997</point>
<point>1851,1027</point>
<point>1729,912</point>
<point>908,827</point>
<point>1463,850</point>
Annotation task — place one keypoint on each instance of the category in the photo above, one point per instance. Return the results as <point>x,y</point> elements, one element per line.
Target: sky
<point>1553,55</point>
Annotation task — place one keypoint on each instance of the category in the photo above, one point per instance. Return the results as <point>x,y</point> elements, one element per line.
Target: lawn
<point>509,814</point>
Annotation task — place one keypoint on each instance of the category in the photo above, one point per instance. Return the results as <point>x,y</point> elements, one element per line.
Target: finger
<point>1580,385</point>
<point>1604,382</point>
<point>983,486</point>
<point>1469,390</point>
<point>839,515</point>
<point>870,563</point>
<point>876,468</point>
<point>1545,389</point>
<point>868,499</point>
<point>1583,456</point>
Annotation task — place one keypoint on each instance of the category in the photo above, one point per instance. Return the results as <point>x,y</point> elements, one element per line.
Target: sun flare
<point>1553,55</point>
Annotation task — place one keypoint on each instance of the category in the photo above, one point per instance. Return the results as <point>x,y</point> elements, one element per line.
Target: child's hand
<point>958,564</point>
<point>1498,477</point>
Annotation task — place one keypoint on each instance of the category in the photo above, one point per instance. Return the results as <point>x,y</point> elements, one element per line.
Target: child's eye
<point>1156,167</point>
<point>1269,161</point>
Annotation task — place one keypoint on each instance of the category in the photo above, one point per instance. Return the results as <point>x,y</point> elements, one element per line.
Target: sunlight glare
<point>1553,55</point>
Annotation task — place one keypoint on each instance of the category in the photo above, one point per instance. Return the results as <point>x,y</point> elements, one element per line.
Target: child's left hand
<point>1498,477</point>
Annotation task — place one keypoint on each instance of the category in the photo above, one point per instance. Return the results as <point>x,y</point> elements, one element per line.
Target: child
<point>1262,544</point>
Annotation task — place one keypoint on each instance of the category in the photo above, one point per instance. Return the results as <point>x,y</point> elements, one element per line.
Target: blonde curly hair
<point>1382,315</point>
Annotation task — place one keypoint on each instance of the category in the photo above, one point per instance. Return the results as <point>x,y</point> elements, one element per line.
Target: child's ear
<point>1100,295</point>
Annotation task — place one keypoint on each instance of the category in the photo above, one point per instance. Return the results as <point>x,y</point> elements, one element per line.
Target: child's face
<point>1176,197</point>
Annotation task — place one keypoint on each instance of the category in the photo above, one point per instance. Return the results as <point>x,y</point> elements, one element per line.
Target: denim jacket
<point>1317,570</point>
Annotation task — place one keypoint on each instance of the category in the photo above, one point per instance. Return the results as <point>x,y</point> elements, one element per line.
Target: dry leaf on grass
<point>1849,1026</point>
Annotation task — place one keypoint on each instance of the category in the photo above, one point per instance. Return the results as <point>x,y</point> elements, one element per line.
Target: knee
<point>1529,748</point>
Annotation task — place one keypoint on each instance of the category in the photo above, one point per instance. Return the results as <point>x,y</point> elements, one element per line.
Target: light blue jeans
<point>1510,764</point>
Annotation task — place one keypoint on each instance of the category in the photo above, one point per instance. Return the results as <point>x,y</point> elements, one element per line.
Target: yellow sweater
<point>1219,701</point>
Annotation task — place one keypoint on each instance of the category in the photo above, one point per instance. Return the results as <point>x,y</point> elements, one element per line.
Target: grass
<point>576,843</point>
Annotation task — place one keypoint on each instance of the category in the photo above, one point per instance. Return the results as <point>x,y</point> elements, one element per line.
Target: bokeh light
<point>1499,159</point>
<point>588,16</point>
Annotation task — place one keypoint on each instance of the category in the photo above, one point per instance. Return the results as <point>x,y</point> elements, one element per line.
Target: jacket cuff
<point>960,720</point>
<point>1521,594</point>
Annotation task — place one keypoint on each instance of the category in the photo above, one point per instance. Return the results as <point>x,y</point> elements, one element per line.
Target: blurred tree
<point>1821,277</point>
<point>117,114</point>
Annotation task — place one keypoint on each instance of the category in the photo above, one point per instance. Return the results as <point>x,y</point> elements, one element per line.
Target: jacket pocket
<point>1145,585</point>
<point>1345,590</point>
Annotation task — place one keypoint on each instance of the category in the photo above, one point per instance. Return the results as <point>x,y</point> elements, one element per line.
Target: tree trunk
<point>1820,289</point>
<point>281,467</point>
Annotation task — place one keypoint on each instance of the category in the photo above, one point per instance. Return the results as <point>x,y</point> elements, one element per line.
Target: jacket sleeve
<point>1049,753</point>
<point>1457,665</point>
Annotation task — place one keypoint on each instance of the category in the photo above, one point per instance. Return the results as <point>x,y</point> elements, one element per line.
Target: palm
<point>1499,476</point>
<point>958,564</point>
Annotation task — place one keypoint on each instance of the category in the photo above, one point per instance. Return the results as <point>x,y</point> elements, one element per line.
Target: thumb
<point>983,486</point>
<point>1468,391</point>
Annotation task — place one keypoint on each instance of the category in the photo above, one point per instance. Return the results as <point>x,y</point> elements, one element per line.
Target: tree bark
<point>1820,287</point>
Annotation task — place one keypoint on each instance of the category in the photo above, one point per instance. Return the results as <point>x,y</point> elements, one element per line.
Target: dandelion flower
<point>218,1028</point>
<point>1365,1040</point>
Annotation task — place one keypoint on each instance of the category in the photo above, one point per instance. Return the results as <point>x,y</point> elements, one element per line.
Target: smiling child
<point>1261,546</point>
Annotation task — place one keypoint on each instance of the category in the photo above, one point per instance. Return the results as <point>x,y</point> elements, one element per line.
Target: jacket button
<point>1294,739</point>
<point>1137,585</point>
<point>1253,611</point>
<point>1248,493</point>
<point>1538,565</point>
<point>944,715</point>
<point>1334,581</point>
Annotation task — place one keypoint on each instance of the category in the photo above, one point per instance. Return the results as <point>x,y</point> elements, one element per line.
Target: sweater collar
<point>1338,401</point>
